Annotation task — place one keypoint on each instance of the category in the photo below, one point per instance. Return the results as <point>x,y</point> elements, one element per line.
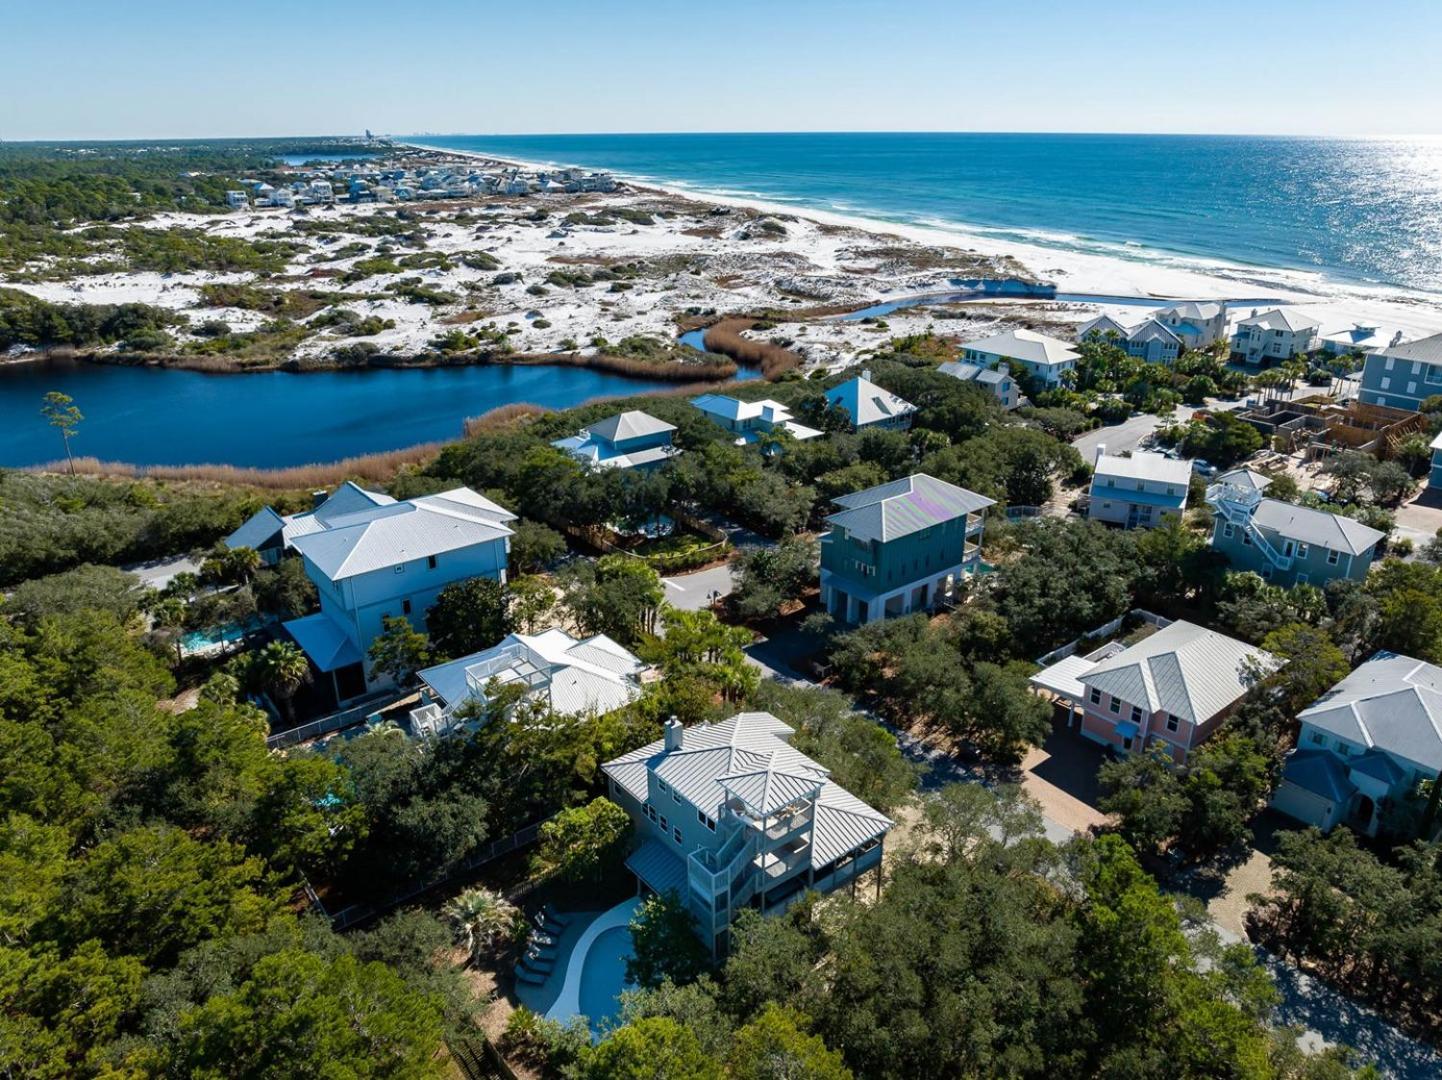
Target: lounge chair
<point>527,976</point>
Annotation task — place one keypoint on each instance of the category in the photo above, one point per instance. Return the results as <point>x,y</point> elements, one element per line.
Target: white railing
<point>1236,505</point>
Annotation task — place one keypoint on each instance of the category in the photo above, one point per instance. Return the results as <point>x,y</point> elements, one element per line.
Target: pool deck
<point>567,1002</point>
<point>539,999</point>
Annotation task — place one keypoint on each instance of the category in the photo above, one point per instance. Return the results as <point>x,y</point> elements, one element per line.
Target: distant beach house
<point>1044,357</point>
<point>899,547</point>
<point>731,817</point>
<point>869,406</point>
<point>751,420</point>
<point>371,557</point>
<point>1365,745</point>
<point>1148,340</point>
<point>1198,323</point>
<point>1140,491</point>
<point>1286,544</point>
<point>590,676</point>
<point>1403,375</point>
<point>1270,337</point>
<point>997,381</point>
<point>237,200</point>
<point>1173,688</point>
<point>1360,338</point>
<point>628,440</point>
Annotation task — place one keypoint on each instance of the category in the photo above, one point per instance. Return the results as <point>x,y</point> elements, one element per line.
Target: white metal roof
<point>740,750</point>
<point>1316,527</point>
<point>1427,349</point>
<point>1025,345</point>
<point>904,506</point>
<point>1182,669</point>
<point>632,424</point>
<point>1392,702</point>
<point>1140,466</point>
<point>1281,319</point>
<point>866,403</point>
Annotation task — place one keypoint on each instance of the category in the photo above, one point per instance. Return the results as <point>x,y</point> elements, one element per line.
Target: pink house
<point>1173,688</point>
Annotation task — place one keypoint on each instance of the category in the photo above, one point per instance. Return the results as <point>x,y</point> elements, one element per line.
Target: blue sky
<point>97,69</point>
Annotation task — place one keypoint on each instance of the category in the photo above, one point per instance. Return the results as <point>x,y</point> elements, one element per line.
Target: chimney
<point>1101,452</point>
<point>1396,339</point>
<point>317,498</point>
<point>675,734</point>
<point>1004,369</point>
<point>866,374</point>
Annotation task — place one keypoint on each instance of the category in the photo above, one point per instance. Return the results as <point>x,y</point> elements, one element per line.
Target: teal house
<point>899,547</point>
<point>1286,544</point>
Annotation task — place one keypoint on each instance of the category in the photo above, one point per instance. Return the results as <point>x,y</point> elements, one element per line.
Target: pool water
<point>604,976</point>
<point>196,640</point>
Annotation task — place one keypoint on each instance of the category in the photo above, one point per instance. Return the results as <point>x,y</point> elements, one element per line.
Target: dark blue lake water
<point>149,416</point>
<point>1355,210</point>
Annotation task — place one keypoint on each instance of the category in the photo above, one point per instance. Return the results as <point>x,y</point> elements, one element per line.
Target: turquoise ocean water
<point>1358,211</point>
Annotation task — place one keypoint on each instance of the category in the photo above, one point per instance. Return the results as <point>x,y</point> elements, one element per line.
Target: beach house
<point>1364,746</point>
<point>1172,688</point>
<point>1286,544</point>
<point>628,440</point>
<point>1199,323</point>
<point>899,547</point>
<point>1147,340</point>
<point>1140,491</point>
<point>751,420</point>
<point>1043,357</point>
<point>1403,375</point>
<point>1270,337</point>
<point>869,406</point>
<point>576,676</point>
<point>731,817</point>
<point>371,557</point>
<point>996,381</point>
<point>237,200</point>
<point>1360,338</point>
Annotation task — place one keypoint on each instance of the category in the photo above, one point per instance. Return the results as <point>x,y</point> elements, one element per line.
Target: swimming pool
<point>603,976</point>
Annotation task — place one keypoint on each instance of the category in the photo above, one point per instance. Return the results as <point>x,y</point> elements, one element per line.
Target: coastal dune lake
<point>153,416</point>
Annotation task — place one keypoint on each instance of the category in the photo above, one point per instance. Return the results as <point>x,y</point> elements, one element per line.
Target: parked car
<point>1204,468</point>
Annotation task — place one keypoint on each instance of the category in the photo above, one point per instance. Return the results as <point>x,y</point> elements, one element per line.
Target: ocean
<point>1354,210</point>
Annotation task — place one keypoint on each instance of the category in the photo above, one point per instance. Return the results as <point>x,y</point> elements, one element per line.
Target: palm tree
<point>281,667</point>
<point>481,918</point>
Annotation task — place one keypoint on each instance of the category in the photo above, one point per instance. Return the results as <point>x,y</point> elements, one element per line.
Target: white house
<point>1365,745</point>
<point>1044,357</point>
<point>1198,323</point>
<point>1273,336</point>
<point>751,420</point>
<point>237,200</point>
<point>1365,338</point>
<point>576,676</point>
<point>628,440</point>
<point>1140,491</point>
<point>869,406</point>
<point>371,557</point>
<point>998,381</point>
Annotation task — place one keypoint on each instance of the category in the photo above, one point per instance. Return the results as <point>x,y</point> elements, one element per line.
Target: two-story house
<point>869,406</point>
<point>1045,358</point>
<point>1198,323</point>
<point>1360,338</point>
<point>1404,375</point>
<point>1286,544</point>
<point>1172,688</point>
<point>1140,491</point>
<point>628,440</point>
<point>1269,337</point>
<point>371,557</point>
<point>1148,340</point>
<point>899,547</point>
<point>751,421</point>
<point>996,381</point>
<point>732,816</point>
<point>1365,745</point>
<point>575,676</point>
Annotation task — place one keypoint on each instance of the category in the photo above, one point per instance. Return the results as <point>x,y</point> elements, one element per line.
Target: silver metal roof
<point>904,506</point>
<point>867,403</point>
<point>1316,527</point>
<point>1141,466</point>
<point>1427,349</point>
<point>1025,345</point>
<point>1392,702</point>
<point>632,424</point>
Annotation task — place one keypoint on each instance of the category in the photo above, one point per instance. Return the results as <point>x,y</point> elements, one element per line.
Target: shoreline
<point>1190,278</point>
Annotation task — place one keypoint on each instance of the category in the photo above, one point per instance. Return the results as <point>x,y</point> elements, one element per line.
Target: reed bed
<point>632,368</point>
<point>725,338</point>
<point>376,468</point>
<point>502,416</point>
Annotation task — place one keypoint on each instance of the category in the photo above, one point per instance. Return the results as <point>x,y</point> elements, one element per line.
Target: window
<point>1172,722</point>
<point>1333,557</point>
<point>1302,550</point>
<point>650,811</point>
<point>1416,368</point>
<point>401,569</point>
<point>1389,364</point>
<point>1304,579</point>
<point>405,607</point>
<point>1386,384</point>
<point>1319,738</point>
<point>1247,539</point>
<point>1343,748</point>
<point>1136,714</point>
<point>1228,529</point>
<point>1096,696</point>
<point>662,785</point>
<point>1412,387</point>
<point>704,820</point>
<point>677,834</point>
<point>1288,547</point>
<point>1116,705</point>
<point>430,562</point>
<point>675,798</point>
<point>1127,743</point>
<point>662,822</point>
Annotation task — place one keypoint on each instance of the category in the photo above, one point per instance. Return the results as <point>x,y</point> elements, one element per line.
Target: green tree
<point>468,616</point>
<point>617,595</point>
<point>400,650</point>
<point>1144,790</point>
<point>482,919</point>
<point>61,413</point>
<point>698,645</point>
<point>664,943</point>
<point>532,599</point>
<point>656,1048</point>
<point>767,578</point>
<point>279,668</point>
<point>776,1046</point>
<point>86,588</point>
<point>534,546</point>
<point>586,842</point>
<point>1311,664</point>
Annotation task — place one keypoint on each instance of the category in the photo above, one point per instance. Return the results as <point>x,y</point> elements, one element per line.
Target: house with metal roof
<point>576,676</point>
<point>1044,357</point>
<point>371,557</point>
<point>1269,337</point>
<point>1149,340</point>
<point>1365,745</point>
<point>1198,323</point>
<point>731,816</point>
<point>1285,543</point>
<point>997,381</point>
<point>1138,491</point>
<point>1364,338</point>
<point>1404,374</point>
<point>1172,689</point>
<point>628,440</point>
<point>869,407</point>
<point>751,421</point>
<point>900,547</point>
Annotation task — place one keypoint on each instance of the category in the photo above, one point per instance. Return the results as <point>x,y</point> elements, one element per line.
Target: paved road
<point>692,592</point>
<point>158,573</point>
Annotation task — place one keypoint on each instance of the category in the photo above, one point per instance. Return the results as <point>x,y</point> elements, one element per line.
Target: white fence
<point>1105,630</point>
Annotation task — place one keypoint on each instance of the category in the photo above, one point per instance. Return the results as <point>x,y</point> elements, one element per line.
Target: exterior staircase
<point>1236,505</point>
